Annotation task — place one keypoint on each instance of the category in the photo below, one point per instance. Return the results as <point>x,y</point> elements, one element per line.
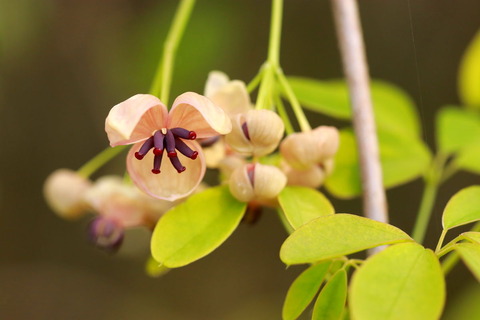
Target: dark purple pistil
<point>169,140</point>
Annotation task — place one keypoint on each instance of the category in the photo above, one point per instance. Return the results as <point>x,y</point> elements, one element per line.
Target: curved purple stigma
<point>184,133</point>
<point>146,146</point>
<point>157,161</point>
<point>251,173</point>
<point>170,143</point>
<point>158,142</point>
<point>245,130</point>
<point>105,234</point>
<point>177,164</point>
<point>169,140</point>
<point>185,150</point>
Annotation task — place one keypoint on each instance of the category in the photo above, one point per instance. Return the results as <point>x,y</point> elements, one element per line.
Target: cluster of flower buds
<point>116,205</point>
<point>307,157</point>
<point>255,133</point>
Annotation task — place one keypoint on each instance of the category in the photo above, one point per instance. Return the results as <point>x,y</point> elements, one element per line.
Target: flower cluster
<point>219,130</point>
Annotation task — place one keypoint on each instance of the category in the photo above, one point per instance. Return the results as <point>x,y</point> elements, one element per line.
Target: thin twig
<point>356,71</point>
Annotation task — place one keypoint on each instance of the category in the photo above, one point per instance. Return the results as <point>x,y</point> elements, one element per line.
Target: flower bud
<point>64,192</point>
<point>312,177</point>
<point>105,234</point>
<point>304,149</point>
<point>256,132</point>
<point>257,182</point>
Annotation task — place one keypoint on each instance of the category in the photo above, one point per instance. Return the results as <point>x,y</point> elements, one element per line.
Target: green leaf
<point>404,281</point>
<point>155,269</point>
<point>331,300</point>
<point>469,75</point>
<point>303,290</point>
<point>403,159</point>
<point>337,235</point>
<point>394,109</point>
<point>467,159</point>
<point>470,254</point>
<point>462,208</point>
<point>457,129</point>
<point>471,236</point>
<point>302,204</point>
<point>196,227</point>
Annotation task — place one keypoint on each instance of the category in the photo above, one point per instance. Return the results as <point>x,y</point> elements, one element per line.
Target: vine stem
<point>432,179</point>
<point>163,76</point>
<point>356,71</point>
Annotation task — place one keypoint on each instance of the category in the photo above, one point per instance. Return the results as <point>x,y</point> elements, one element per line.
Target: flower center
<point>170,140</point>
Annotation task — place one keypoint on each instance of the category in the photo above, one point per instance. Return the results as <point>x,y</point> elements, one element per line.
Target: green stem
<point>440,241</point>
<point>99,160</point>
<point>275,33</point>
<point>163,76</point>
<point>255,81</point>
<point>283,114</point>
<point>432,182</point>
<point>296,107</point>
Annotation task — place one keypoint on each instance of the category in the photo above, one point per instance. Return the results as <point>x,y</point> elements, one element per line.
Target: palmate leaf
<point>196,227</point>
<point>337,235</point>
<point>404,281</point>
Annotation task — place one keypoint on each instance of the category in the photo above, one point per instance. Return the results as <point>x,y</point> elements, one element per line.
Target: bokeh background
<point>64,63</point>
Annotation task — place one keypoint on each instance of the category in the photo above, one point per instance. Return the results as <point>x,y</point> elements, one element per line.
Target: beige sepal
<point>264,128</point>
<point>257,182</point>
<point>312,177</point>
<point>64,192</point>
<point>228,164</point>
<point>304,149</point>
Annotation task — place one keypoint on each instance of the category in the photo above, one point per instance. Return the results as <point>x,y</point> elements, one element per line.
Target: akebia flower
<point>120,206</point>
<point>304,149</point>
<point>257,182</point>
<point>143,120</point>
<point>256,132</point>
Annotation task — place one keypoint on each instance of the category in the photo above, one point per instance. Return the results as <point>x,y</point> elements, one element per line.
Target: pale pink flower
<point>143,120</point>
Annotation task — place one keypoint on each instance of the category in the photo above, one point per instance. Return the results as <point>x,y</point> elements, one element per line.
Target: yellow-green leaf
<point>404,281</point>
<point>403,159</point>
<point>337,235</point>
<point>394,109</point>
<point>155,269</point>
<point>196,227</point>
<point>331,300</point>
<point>467,159</point>
<point>462,208</point>
<point>470,254</point>
<point>471,236</point>
<point>302,204</point>
<point>303,290</point>
<point>457,129</point>
<point>469,75</point>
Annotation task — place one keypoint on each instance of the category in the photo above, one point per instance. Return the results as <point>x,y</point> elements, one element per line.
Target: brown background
<point>64,63</point>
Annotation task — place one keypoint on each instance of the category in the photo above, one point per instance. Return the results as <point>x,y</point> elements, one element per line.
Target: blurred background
<point>65,63</point>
